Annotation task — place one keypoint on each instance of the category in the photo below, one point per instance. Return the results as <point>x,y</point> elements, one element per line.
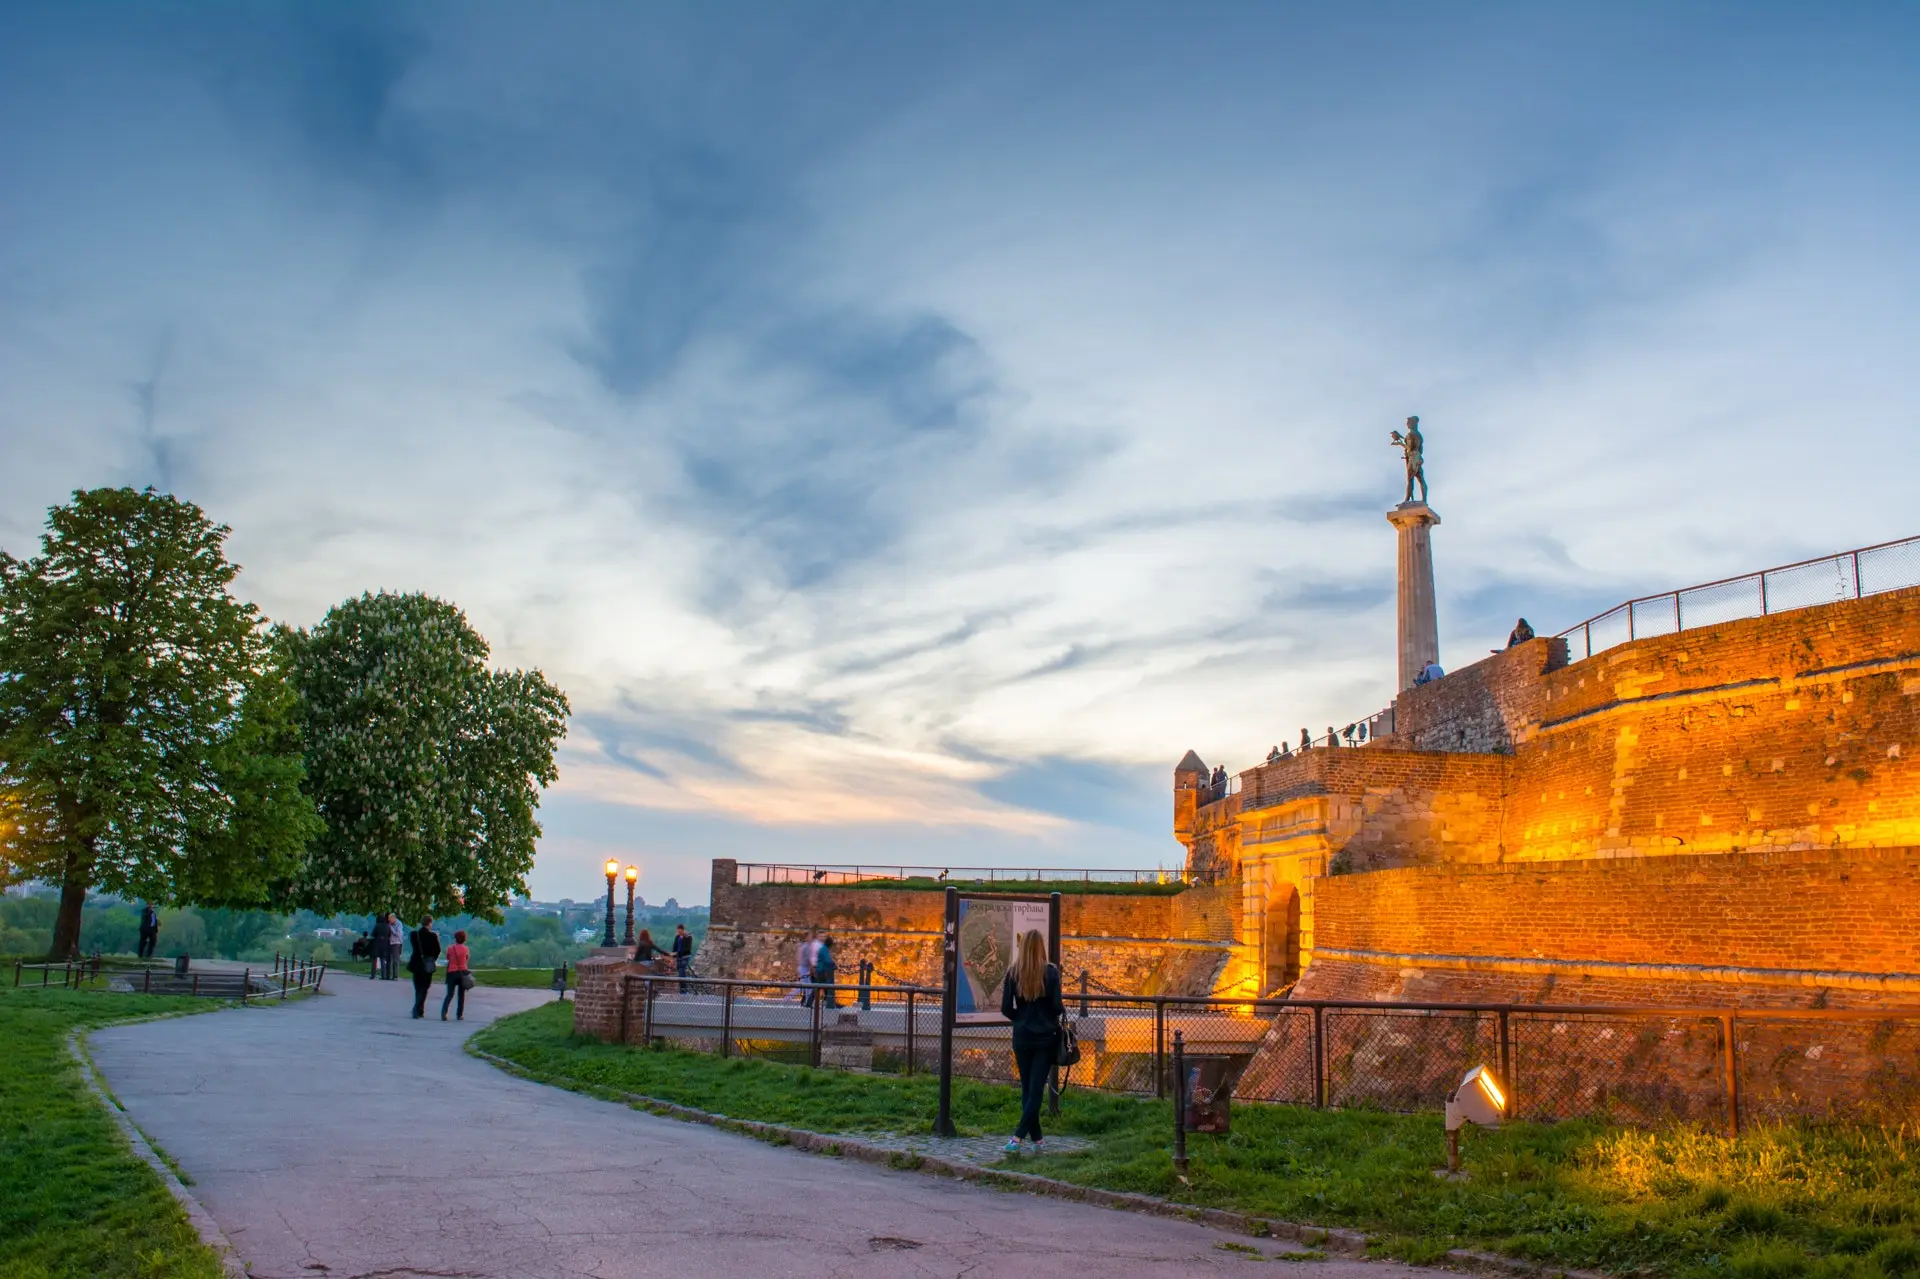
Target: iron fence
<point>1848,575</point>
<point>752,873</point>
<point>1640,1066</point>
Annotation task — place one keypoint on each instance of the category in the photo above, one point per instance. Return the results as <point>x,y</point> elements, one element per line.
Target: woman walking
<point>459,977</point>
<point>1030,999</point>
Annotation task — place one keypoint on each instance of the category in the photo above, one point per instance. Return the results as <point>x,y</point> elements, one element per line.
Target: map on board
<point>988,930</point>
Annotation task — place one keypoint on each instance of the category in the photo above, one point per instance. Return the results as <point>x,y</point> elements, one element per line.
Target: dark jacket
<point>646,952</point>
<point>382,931</point>
<point>149,921</point>
<point>1034,1020</point>
<point>682,944</point>
<point>823,967</point>
<point>426,950</point>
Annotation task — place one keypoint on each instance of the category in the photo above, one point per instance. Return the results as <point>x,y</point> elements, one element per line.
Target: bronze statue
<point>1412,446</point>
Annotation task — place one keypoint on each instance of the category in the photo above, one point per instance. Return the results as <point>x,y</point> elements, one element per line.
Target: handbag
<point>466,979</point>
<point>1066,1044</point>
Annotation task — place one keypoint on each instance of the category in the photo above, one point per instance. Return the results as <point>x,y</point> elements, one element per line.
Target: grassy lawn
<point>74,1200</point>
<point>1776,1203</point>
<point>521,978</point>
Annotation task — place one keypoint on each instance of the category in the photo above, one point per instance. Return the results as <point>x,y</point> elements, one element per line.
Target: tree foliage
<point>148,744</point>
<point>425,765</point>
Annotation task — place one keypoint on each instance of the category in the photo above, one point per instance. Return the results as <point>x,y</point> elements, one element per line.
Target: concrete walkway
<point>338,1137</point>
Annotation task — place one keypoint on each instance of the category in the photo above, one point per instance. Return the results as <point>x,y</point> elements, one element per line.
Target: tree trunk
<point>73,895</point>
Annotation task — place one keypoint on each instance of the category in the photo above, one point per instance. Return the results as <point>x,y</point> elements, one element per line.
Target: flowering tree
<point>425,765</point>
<point>147,739</point>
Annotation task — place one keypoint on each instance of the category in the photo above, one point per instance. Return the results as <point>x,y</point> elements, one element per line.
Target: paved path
<point>337,1137</point>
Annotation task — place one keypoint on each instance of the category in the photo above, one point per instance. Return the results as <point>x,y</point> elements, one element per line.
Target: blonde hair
<point>1030,970</point>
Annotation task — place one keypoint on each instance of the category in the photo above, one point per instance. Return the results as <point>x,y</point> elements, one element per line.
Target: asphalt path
<point>338,1137</point>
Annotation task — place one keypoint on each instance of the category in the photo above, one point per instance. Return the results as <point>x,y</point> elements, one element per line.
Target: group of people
<point>382,944</point>
<point>817,971</point>
<point>682,952</point>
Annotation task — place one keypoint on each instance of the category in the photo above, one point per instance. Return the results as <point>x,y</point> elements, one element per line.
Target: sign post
<point>949,981</point>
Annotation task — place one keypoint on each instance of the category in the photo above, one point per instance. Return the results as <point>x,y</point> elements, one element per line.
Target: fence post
<point>910,1030</point>
<point>283,985</point>
<point>1159,1047</point>
<point>726,1020</point>
<point>813,1046</point>
<point>1083,992</point>
<point>1763,594</point>
<point>146,987</point>
<point>1506,1060</point>
<point>246,980</point>
<point>1857,588</point>
<point>194,990</point>
<point>16,972</point>
<point>647,1023</point>
<point>1733,1075</point>
<point>1319,1055</point>
<point>1179,1104</point>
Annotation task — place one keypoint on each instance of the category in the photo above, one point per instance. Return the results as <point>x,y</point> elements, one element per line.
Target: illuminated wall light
<point>1479,1100</point>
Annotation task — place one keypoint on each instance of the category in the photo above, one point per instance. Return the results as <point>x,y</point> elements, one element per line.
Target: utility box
<point>180,965</point>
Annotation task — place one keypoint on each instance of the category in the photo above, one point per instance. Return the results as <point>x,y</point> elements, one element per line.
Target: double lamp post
<point>613,873</point>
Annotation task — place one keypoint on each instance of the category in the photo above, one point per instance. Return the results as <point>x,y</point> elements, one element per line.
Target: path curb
<point>1329,1238</point>
<point>203,1223</point>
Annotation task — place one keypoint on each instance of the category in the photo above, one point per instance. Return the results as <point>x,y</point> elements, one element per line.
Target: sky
<point>905,430</point>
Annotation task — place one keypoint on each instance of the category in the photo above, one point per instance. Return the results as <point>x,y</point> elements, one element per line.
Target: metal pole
<point>949,977</point>
<point>1179,1104</point>
<point>607,940</point>
<point>1159,1047</point>
<point>146,987</point>
<point>629,940</point>
<point>1733,1076</point>
<point>910,1035</point>
<point>246,980</point>
<point>726,1020</point>
<point>1319,1055</point>
<point>813,1051</point>
<point>1763,594</point>
<point>195,990</point>
<point>1856,575</point>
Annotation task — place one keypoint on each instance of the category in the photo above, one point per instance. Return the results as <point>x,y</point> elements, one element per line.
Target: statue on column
<point>1412,447</point>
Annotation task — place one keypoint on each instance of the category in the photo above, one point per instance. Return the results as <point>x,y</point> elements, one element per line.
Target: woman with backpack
<point>1030,999</point>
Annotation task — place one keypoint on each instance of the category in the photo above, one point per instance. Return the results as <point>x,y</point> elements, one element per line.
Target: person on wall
<point>682,954</point>
<point>425,958</point>
<point>459,977</point>
<point>1520,634</point>
<point>149,931</point>
<point>1030,999</point>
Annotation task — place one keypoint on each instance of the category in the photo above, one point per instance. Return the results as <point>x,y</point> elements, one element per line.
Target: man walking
<point>809,950</point>
<point>149,931</point>
<point>425,958</point>
<point>682,955</point>
<point>377,947</point>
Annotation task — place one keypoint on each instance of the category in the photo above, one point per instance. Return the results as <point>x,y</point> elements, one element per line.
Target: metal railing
<point>1628,1064</point>
<point>287,977</point>
<point>752,873</point>
<point>1828,579</point>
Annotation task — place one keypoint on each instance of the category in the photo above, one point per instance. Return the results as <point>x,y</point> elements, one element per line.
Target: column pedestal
<point>1419,624</point>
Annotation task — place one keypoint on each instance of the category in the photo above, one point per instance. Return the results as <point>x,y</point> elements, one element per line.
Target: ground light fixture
<point>1480,1100</point>
<point>613,870</point>
<point>633,873</point>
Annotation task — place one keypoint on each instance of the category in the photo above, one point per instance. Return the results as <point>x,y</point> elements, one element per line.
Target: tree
<point>425,765</point>
<point>147,743</point>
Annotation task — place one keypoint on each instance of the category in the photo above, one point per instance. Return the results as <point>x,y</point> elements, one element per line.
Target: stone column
<point>1419,625</point>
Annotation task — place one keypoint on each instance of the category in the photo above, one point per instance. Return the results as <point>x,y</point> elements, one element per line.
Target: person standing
<point>682,955</point>
<point>459,977</point>
<point>809,948</point>
<point>1030,999</point>
<point>396,938</point>
<point>377,946</point>
<point>425,957</point>
<point>645,951</point>
<point>823,973</point>
<point>149,931</point>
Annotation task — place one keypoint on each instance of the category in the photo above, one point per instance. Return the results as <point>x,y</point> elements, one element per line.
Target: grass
<point>1030,887</point>
<point>519,978</point>
<point>74,1199</point>
<point>1777,1202</point>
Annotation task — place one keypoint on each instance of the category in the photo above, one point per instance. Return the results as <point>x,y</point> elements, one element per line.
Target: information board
<point>989,929</point>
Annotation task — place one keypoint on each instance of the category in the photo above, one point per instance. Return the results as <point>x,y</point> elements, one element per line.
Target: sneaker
<point>1013,1146</point>
<point>1035,1148</point>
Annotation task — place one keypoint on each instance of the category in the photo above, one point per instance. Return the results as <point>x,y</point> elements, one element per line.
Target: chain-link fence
<point>1639,1066</point>
<point>1827,580</point>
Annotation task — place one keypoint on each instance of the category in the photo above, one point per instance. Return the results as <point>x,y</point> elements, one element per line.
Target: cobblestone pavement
<point>338,1137</point>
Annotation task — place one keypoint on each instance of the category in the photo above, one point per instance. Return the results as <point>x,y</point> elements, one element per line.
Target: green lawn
<point>523,978</point>
<point>1776,1203</point>
<point>74,1200</point>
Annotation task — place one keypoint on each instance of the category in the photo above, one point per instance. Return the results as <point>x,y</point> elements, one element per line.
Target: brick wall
<point>1781,926</point>
<point>1487,707</point>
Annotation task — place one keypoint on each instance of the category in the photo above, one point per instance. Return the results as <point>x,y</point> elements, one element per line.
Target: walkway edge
<point>202,1221</point>
<point>1350,1242</point>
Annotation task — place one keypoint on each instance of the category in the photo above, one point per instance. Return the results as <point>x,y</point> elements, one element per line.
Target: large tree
<point>148,744</point>
<point>426,765</point>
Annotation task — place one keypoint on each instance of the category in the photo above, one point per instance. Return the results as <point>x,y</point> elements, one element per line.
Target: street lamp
<point>613,869</point>
<point>633,873</point>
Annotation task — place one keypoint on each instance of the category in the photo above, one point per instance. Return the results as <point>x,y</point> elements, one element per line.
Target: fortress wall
<point>1375,806</point>
<point>1146,943</point>
<point>1486,707</point>
<point>1788,928</point>
<point>1790,731</point>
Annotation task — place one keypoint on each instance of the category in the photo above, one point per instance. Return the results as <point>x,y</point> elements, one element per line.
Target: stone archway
<point>1280,948</point>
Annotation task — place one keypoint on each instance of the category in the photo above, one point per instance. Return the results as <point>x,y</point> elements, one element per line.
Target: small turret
<point>1189,779</point>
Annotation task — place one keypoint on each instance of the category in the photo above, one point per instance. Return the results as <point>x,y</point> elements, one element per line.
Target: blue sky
<point>904,432</point>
